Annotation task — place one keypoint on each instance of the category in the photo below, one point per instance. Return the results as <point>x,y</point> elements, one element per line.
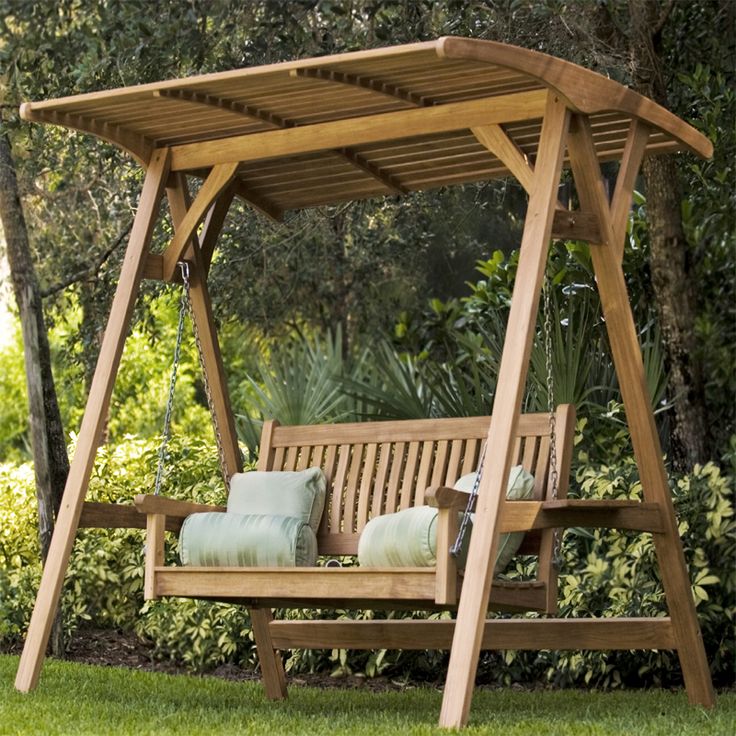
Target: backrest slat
<point>339,489</point>
<point>374,468</point>
<point>366,485</point>
<point>379,493</point>
<point>354,474</point>
<point>440,463</point>
<point>470,460</point>
<point>408,481</point>
<point>397,465</point>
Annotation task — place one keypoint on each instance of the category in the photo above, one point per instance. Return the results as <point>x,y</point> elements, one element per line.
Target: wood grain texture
<point>93,421</point>
<point>507,404</point>
<point>555,634</point>
<point>637,403</point>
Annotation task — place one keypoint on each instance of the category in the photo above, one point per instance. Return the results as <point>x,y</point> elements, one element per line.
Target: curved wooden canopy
<point>370,123</point>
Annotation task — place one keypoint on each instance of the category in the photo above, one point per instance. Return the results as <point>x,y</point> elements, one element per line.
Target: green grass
<point>82,699</point>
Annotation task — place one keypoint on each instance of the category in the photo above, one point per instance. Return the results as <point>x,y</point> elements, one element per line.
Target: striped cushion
<point>246,540</point>
<point>408,538</point>
<point>298,493</point>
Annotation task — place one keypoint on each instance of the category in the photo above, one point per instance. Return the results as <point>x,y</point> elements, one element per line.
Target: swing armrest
<point>443,497</point>
<point>148,504</point>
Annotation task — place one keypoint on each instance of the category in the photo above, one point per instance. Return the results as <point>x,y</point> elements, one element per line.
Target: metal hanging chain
<point>553,474</point>
<point>207,390</point>
<point>465,521</point>
<point>172,385</point>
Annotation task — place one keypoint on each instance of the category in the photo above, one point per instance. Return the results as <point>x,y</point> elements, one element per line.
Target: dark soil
<point>110,648</point>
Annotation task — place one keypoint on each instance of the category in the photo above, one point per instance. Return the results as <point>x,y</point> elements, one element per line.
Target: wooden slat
<point>309,583</point>
<point>397,466</point>
<point>338,490</point>
<point>453,464</point>
<point>408,482</point>
<point>379,492</point>
<point>303,461</point>
<point>540,470</point>
<point>278,458</point>
<point>470,461</point>
<point>424,472</point>
<point>154,556</point>
<point>555,634</point>
<point>366,485</point>
<point>530,454</point>
<point>349,505</point>
<point>440,463</point>
<point>291,458</point>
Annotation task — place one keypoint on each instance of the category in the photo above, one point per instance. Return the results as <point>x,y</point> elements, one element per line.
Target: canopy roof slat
<point>364,124</point>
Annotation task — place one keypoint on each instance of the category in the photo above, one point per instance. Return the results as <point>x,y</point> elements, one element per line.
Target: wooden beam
<point>139,146</point>
<point>371,83</point>
<point>360,130</point>
<point>219,178</point>
<point>93,422</point>
<point>390,181</point>
<point>637,403</point>
<point>258,203</point>
<point>498,634</point>
<point>276,121</point>
<point>213,223</point>
<point>496,140</point>
<point>204,324</point>
<point>636,143</point>
<point>506,409</point>
<point>256,114</point>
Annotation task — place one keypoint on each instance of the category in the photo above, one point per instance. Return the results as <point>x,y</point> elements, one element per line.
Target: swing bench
<point>366,124</point>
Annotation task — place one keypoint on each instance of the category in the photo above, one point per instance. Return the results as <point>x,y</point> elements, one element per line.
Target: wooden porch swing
<point>359,125</point>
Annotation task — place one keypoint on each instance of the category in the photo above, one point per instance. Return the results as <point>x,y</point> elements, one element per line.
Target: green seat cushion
<point>246,540</point>
<point>408,538</point>
<point>297,493</point>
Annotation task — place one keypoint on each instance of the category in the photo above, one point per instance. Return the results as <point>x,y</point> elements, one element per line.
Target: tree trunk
<point>674,289</point>
<point>50,460</point>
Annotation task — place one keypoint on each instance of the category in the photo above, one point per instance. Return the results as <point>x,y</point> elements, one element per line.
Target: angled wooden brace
<point>506,408</point>
<point>93,422</point>
<point>218,179</point>
<point>637,403</point>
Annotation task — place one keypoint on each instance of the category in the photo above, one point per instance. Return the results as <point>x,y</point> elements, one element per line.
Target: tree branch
<point>83,274</point>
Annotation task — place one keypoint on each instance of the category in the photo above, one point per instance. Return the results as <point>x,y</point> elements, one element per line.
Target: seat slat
<point>440,464</point>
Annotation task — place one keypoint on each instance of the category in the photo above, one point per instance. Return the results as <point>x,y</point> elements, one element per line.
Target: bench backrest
<point>376,468</point>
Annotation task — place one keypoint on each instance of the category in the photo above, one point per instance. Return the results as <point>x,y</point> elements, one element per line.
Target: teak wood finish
<point>366,124</point>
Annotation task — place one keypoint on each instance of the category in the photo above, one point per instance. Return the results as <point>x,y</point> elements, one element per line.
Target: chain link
<point>207,390</point>
<point>462,531</point>
<point>162,457</point>
<point>553,474</point>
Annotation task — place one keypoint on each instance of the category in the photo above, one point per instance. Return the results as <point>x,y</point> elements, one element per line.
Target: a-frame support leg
<point>637,403</point>
<point>272,668</point>
<point>506,408</point>
<point>95,414</point>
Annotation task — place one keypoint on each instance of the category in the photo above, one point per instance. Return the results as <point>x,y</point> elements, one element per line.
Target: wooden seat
<point>375,468</point>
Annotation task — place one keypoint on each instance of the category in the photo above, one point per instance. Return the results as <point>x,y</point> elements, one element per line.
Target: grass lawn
<point>85,699</point>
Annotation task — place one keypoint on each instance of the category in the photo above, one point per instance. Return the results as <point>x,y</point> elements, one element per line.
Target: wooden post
<point>637,403</point>
<point>506,407</point>
<point>272,668</point>
<point>95,413</point>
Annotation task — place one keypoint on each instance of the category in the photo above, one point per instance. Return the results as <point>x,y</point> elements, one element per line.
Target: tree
<point>50,460</point>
